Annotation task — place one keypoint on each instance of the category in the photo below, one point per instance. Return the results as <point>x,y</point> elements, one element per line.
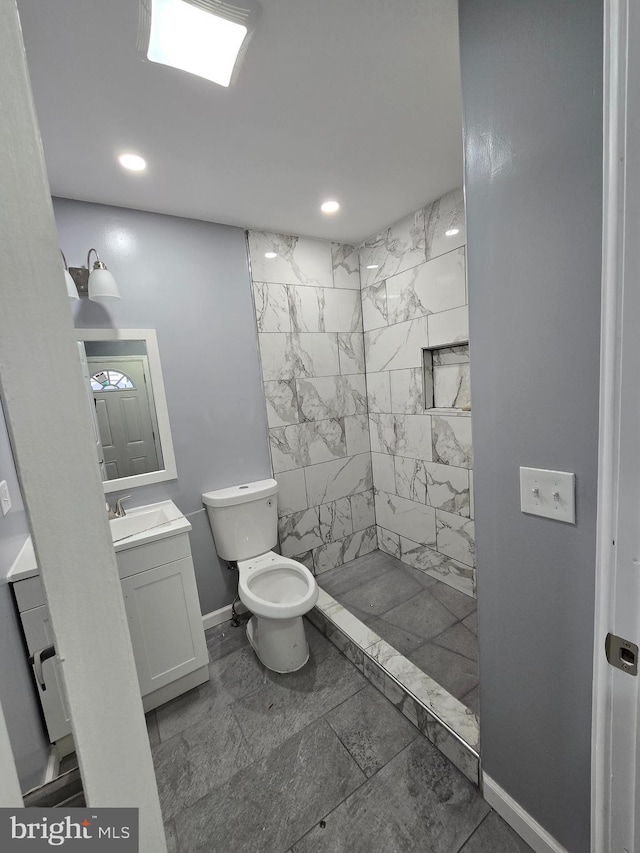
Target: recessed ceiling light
<point>203,37</point>
<point>372,266</point>
<point>330,206</point>
<point>271,255</point>
<point>452,232</point>
<point>133,162</point>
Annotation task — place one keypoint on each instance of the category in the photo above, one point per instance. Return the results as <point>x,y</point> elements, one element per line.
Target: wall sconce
<point>72,290</point>
<point>98,284</point>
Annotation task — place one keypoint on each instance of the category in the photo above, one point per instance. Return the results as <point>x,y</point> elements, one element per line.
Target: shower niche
<point>446,377</point>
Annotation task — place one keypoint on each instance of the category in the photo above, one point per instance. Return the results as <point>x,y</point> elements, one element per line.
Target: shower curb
<point>450,726</point>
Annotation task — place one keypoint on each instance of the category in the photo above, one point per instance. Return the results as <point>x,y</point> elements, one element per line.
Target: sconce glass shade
<point>72,290</point>
<point>102,285</point>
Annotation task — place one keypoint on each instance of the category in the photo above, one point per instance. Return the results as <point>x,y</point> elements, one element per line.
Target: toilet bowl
<point>277,590</point>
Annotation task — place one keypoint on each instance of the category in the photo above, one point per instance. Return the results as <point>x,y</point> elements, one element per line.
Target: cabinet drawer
<point>153,554</point>
<point>29,593</point>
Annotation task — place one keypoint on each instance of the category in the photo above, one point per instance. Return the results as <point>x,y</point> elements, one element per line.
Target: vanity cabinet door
<point>165,623</point>
<point>38,634</point>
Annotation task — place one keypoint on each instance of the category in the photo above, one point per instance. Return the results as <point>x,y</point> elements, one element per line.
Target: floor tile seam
<point>473,832</point>
<point>255,760</point>
<point>226,705</point>
<point>434,640</point>
<point>386,698</point>
<point>367,781</point>
<point>417,636</point>
<point>397,604</point>
<point>321,717</point>
<point>351,756</point>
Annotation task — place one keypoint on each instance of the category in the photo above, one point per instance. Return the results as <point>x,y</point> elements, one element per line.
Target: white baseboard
<point>518,819</point>
<point>217,617</point>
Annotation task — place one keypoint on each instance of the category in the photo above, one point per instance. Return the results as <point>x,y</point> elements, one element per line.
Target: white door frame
<point>614,813</point>
<point>62,491</point>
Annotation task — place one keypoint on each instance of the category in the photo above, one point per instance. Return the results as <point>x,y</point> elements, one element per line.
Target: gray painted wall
<point>18,697</point>
<point>189,280</point>
<point>532,92</point>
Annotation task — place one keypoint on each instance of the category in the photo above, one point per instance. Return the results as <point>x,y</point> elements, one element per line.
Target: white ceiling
<point>357,100</point>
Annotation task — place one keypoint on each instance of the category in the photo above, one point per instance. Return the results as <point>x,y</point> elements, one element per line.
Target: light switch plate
<point>5,500</point>
<point>551,494</point>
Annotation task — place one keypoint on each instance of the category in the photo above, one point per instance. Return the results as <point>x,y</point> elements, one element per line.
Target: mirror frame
<point>169,472</point>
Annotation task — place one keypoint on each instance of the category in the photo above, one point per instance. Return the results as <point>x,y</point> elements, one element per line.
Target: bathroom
<point>227,334</point>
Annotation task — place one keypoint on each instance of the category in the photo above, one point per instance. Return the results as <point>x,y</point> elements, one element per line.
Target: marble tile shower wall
<point>309,317</point>
<point>414,297</point>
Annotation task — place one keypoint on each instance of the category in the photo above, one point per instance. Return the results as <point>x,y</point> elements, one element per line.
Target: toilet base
<point>280,644</point>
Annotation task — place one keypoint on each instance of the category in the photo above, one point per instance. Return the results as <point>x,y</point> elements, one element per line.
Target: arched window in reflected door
<point>111,380</point>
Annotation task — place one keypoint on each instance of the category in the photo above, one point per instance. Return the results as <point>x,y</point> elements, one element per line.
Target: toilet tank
<point>244,519</point>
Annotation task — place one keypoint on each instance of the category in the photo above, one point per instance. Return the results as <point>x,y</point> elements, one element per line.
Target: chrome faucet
<point>119,511</point>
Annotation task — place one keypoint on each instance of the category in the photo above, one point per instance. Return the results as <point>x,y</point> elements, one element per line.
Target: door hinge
<point>621,653</point>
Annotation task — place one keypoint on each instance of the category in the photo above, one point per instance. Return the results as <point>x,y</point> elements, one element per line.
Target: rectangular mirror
<point>128,406</point>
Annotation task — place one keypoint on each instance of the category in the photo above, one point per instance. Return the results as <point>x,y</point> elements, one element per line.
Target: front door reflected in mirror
<point>127,405</point>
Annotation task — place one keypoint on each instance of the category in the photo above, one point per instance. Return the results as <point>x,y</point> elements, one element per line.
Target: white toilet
<point>277,590</point>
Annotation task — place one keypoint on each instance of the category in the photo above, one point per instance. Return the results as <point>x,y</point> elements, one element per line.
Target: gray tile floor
<point>426,620</point>
<point>316,760</point>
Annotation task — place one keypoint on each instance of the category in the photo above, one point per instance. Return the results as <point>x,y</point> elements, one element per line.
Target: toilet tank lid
<point>240,494</point>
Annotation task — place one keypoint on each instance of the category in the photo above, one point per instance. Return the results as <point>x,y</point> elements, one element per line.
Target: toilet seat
<point>276,587</point>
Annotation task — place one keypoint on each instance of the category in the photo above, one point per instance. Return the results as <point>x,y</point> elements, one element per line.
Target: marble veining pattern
<point>300,445</point>
<point>389,542</point>
<point>437,565</point>
<point>309,320</point>
<point>346,265</point>
<point>415,321</point>
<point>451,387</point>
<point>300,532</point>
<point>406,518</point>
<point>434,286</point>
<point>299,260</point>
<point>338,479</point>
<point>272,307</point>
<point>407,391</point>
<point>448,327</point>
<point>343,550</point>
<point>374,306</point>
<point>379,392</point>
<point>455,537</point>
<point>443,215</point>
<point>292,494</point>
<point>398,248</point>
<point>351,352</point>
<point>282,402</point>
<point>322,309</point>
<point>331,396</point>
<point>448,488</point>
<point>384,476</point>
<point>401,435</point>
<point>451,438</point>
<point>356,431</point>
<point>411,478</point>
<point>396,347</point>
<point>335,520</point>
<point>362,510</point>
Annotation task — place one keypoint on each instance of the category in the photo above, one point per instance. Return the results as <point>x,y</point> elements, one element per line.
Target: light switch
<point>548,493</point>
<point>5,500</point>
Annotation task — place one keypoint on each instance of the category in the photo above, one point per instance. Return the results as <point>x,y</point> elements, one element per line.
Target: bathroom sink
<point>144,524</point>
<point>140,525</point>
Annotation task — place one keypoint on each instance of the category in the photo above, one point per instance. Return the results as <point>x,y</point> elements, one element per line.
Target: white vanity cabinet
<point>163,611</point>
